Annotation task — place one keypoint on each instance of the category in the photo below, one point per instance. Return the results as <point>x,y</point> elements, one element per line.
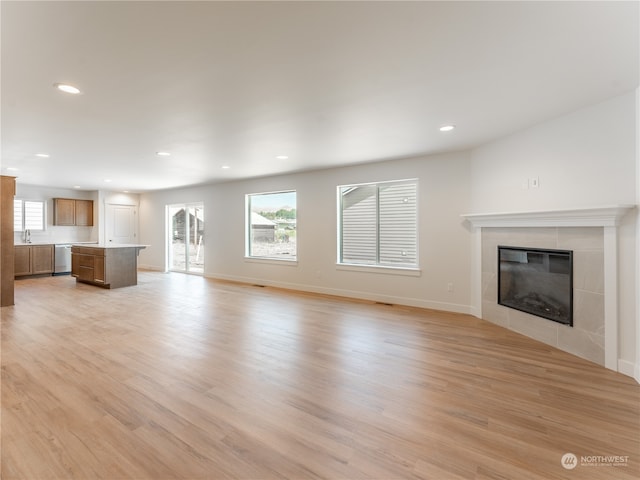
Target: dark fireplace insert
<point>537,281</point>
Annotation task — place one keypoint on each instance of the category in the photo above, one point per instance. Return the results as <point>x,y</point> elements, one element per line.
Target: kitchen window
<point>28,215</point>
<point>378,224</point>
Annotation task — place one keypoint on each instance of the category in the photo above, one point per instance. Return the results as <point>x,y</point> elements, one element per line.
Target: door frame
<point>136,226</point>
<point>169,237</point>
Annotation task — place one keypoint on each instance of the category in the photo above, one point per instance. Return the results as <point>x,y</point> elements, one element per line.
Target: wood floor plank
<point>182,377</point>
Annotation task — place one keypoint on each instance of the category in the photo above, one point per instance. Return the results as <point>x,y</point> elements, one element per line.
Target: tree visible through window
<point>271,225</point>
<point>378,224</point>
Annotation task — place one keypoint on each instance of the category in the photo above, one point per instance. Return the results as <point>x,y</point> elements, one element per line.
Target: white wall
<point>58,233</point>
<point>105,198</point>
<point>443,238</point>
<point>65,234</point>
<point>584,159</point>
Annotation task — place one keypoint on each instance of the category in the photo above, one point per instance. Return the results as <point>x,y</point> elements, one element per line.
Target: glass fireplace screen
<point>537,281</point>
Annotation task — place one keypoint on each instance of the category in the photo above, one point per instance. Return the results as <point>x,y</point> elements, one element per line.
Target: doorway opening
<point>185,238</point>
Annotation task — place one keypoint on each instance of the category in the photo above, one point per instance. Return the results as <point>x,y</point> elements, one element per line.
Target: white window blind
<point>378,224</point>
<point>17,215</point>
<point>28,214</point>
<point>33,215</point>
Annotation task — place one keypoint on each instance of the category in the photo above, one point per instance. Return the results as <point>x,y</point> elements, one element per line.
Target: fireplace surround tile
<point>588,271</point>
<point>581,343</point>
<point>581,238</point>
<point>522,237</point>
<point>489,285</point>
<point>495,313</point>
<point>588,311</point>
<point>535,327</point>
<point>586,338</point>
<point>571,225</point>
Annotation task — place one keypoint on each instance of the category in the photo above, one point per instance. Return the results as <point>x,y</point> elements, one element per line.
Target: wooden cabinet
<point>22,263</point>
<point>41,259</point>
<point>89,265</point>
<point>109,267</point>
<point>64,211</point>
<point>84,213</point>
<point>99,269</point>
<point>33,260</point>
<point>72,212</point>
<point>7,252</point>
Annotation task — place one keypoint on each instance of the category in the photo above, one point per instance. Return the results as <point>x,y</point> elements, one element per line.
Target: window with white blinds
<point>17,215</point>
<point>28,214</point>
<point>379,224</point>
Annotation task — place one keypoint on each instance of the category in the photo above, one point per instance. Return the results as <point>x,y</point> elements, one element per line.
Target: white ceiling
<point>325,83</point>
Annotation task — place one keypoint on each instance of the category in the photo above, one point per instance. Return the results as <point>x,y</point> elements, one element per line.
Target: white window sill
<point>273,261</point>
<point>384,269</point>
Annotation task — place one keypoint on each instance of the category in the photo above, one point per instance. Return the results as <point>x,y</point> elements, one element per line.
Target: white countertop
<point>42,242</point>
<point>110,245</point>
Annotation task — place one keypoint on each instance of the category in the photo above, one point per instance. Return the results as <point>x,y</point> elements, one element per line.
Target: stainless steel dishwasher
<point>62,259</point>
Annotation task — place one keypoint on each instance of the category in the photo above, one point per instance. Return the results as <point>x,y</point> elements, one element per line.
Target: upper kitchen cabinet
<point>64,211</point>
<point>68,211</point>
<point>84,213</point>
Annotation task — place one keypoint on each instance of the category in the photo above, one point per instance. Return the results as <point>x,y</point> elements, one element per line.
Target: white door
<point>121,224</point>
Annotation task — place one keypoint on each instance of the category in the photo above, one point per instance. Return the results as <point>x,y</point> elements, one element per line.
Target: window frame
<point>412,269</point>
<point>23,212</point>
<point>292,260</point>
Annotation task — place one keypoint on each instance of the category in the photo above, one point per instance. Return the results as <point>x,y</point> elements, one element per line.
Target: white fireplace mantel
<point>607,217</point>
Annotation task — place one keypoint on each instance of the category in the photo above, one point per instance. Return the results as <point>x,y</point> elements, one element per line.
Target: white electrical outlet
<point>450,287</point>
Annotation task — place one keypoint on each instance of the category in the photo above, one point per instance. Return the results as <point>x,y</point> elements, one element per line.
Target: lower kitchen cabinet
<point>33,260</point>
<point>87,265</point>
<point>108,267</point>
<point>22,261</point>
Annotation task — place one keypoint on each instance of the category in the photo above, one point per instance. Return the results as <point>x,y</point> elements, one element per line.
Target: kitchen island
<point>106,265</point>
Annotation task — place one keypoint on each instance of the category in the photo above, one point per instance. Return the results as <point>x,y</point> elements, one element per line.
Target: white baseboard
<point>374,297</point>
<point>475,311</point>
<point>629,369</point>
<point>153,268</point>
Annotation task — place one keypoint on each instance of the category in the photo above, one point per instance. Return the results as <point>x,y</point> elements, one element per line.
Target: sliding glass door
<point>185,237</point>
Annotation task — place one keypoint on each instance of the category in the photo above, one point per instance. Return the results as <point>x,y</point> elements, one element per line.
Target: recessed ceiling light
<point>447,128</point>
<point>107,180</point>
<point>67,88</point>
<point>12,169</point>
<point>42,155</point>
<point>282,157</point>
<point>226,167</point>
<point>163,154</point>
<point>76,186</point>
<point>125,191</point>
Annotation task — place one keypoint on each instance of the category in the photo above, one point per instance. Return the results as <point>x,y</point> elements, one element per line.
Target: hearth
<point>537,281</point>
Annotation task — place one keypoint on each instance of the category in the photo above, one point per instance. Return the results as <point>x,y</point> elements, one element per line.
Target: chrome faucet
<point>27,236</point>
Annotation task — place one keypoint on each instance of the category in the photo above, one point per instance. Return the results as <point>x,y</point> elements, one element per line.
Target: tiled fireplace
<point>591,234</point>
<point>586,337</point>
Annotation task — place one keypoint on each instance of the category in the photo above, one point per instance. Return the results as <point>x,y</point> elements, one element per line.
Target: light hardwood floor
<point>182,377</point>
